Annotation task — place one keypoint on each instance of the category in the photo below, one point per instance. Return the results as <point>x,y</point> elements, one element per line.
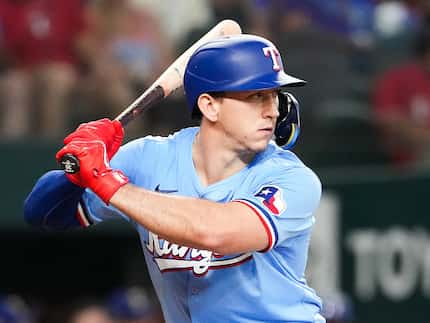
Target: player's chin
<point>260,145</point>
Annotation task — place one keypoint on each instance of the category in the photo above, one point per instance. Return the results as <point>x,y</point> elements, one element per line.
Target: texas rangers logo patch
<point>272,199</point>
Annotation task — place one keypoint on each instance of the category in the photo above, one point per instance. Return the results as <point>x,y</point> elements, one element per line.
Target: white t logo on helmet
<point>274,54</point>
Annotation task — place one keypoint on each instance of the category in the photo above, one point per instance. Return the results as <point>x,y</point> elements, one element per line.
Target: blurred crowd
<point>131,304</point>
<point>366,62</point>
<point>62,62</point>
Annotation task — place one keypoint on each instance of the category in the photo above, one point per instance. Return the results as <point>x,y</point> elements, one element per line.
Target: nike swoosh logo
<point>157,189</point>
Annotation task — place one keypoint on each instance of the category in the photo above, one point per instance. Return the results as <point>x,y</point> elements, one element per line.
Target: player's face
<point>248,118</point>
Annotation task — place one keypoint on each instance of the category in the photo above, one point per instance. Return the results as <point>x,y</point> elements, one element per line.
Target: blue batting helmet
<point>237,63</point>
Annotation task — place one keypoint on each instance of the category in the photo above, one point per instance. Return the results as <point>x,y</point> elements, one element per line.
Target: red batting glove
<point>95,172</point>
<point>110,132</point>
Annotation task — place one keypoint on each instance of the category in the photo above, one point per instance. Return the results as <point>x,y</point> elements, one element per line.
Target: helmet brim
<point>261,83</point>
<point>288,80</point>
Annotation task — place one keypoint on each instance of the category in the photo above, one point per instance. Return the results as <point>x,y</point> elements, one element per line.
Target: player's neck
<point>214,161</point>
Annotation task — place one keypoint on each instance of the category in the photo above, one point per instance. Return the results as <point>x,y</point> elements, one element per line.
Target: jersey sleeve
<point>285,204</point>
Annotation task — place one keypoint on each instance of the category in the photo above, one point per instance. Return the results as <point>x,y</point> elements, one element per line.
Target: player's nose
<point>271,105</point>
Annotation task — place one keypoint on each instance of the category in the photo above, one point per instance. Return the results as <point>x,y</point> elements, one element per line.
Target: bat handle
<point>70,164</point>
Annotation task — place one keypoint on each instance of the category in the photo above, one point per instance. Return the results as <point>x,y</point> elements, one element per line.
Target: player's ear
<point>208,106</point>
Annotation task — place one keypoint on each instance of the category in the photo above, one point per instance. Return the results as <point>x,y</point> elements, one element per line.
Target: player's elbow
<point>212,232</point>
<point>220,245</point>
<point>53,201</point>
<point>211,241</point>
<point>32,214</point>
<point>38,201</point>
<point>35,210</point>
<point>214,239</point>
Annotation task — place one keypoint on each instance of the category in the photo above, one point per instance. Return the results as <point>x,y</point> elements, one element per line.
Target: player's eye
<point>256,96</point>
<point>264,96</point>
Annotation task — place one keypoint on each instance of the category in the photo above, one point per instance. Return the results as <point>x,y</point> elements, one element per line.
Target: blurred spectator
<point>125,51</point>
<point>90,313</point>
<point>401,102</point>
<point>237,10</point>
<point>39,54</point>
<point>187,15</point>
<point>361,21</point>
<point>13,309</point>
<point>396,17</point>
<point>395,26</point>
<point>338,308</point>
<point>350,18</point>
<point>315,52</point>
<point>226,9</point>
<point>327,43</point>
<point>134,305</point>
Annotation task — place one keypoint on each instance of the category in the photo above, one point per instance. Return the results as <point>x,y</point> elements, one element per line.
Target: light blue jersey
<point>201,286</point>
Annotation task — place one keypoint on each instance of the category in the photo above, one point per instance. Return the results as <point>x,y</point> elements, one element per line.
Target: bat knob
<point>70,164</point>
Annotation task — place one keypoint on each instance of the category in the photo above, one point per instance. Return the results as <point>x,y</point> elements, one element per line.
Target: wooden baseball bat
<point>169,81</point>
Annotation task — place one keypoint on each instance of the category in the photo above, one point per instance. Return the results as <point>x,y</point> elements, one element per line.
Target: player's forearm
<point>219,227</point>
<point>182,220</point>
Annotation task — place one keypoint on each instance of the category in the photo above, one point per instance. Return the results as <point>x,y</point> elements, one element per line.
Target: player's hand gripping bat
<point>168,82</point>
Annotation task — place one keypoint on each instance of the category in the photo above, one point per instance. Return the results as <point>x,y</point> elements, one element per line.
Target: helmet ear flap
<point>287,128</point>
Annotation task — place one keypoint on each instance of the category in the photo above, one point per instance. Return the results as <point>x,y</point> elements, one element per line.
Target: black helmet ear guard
<point>287,128</point>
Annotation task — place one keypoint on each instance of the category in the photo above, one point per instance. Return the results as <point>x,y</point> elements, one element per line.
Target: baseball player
<point>224,213</point>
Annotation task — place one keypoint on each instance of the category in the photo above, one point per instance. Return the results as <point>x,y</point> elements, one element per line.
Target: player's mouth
<point>267,130</point>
